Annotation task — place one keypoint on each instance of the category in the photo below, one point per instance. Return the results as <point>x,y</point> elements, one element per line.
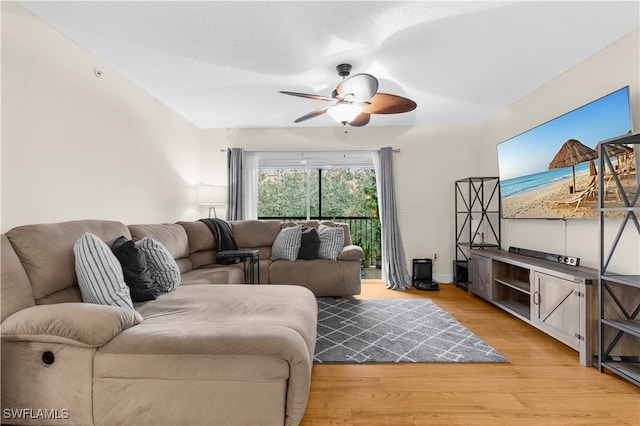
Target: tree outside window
<point>333,194</point>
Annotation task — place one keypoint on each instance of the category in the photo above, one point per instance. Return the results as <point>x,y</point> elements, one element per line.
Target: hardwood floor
<point>544,384</point>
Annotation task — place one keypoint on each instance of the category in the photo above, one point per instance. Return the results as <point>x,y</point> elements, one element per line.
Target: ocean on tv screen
<point>532,185</point>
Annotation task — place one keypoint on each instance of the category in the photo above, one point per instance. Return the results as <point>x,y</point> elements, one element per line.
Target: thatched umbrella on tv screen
<point>617,151</point>
<point>572,152</point>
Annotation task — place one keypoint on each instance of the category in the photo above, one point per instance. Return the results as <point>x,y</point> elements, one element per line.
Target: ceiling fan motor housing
<point>344,70</point>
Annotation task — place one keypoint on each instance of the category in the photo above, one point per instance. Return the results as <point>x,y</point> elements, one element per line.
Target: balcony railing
<point>364,230</point>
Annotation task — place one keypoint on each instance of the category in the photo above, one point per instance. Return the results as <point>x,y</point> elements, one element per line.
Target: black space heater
<point>422,275</point>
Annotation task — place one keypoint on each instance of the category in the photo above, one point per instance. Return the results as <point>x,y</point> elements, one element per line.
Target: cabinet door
<point>557,306</point>
<point>481,276</point>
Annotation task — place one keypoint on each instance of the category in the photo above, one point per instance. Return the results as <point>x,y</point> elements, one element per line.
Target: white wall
<point>75,146</point>
<point>603,73</point>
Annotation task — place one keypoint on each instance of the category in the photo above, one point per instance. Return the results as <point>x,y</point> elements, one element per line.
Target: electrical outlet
<point>435,256</point>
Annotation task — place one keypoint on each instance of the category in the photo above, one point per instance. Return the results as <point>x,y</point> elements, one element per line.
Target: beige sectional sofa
<point>213,351</point>
<point>325,278</point>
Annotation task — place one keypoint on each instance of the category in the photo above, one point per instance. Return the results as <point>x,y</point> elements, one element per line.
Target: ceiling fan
<point>355,99</point>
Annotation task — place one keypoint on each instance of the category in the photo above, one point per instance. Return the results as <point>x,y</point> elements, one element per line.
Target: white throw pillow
<point>287,243</point>
<point>164,269</point>
<point>331,241</point>
<point>99,272</point>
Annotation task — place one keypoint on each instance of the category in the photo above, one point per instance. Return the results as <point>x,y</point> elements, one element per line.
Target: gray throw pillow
<point>164,269</point>
<point>100,275</point>
<point>331,241</point>
<point>287,243</point>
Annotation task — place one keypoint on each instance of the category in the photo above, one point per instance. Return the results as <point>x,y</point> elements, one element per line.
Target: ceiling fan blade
<point>362,119</point>
<point>361,86</point>
<point>309,96</point>
<point>384,103</point>
<point>312,114</point>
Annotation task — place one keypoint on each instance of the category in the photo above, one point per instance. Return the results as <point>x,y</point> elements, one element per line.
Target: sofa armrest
<point>351,252</point>
<point>77,324</point>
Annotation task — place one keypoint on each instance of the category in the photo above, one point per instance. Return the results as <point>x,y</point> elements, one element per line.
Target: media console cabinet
<point>558,299</point>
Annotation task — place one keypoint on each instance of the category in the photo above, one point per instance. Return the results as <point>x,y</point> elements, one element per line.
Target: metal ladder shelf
<point>619,314</point>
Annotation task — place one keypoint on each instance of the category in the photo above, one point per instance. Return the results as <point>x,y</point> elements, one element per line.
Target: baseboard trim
<point>443,278</point>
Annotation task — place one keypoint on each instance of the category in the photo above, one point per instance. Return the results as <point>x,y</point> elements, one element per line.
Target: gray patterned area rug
<point>394,330</point>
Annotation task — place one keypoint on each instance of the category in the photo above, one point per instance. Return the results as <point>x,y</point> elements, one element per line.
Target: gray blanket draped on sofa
<point>223,235</point>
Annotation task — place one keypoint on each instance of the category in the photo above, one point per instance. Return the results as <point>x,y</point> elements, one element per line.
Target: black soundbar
<point>566,260</point>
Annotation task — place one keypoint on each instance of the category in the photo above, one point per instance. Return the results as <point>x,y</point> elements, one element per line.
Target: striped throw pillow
<point>287,244</point>
<point>100,275</point>
<point>331,241</point>
<point>164,269</point>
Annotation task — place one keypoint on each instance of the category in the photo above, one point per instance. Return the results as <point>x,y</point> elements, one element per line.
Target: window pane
<point>345,192</point>
<point>283,193</point>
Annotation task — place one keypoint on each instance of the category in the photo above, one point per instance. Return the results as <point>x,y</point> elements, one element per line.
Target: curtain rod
<point>361,150</point>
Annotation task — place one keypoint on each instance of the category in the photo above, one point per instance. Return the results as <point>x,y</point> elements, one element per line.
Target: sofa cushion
<point>199,390</point>
<point>16,289</point>
<point>309,244</point>
<point>137,274</point>
<point>46,252</point>
<point>213,275</point>
<point>325,278</point>
<point>164,269</point>
<point>351,253</point>
<point>77,324</point>
<point>331,241</point>
<point>199,236</point>
<point>99,273</point>
<point>171,235</point>
<point>253,234</point>
<point>287,244</point>
<point>181,322</point>
<point>272,326</point>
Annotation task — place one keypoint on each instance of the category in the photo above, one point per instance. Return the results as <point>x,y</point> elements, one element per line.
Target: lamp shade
<point>344,113</point>
<point>210,195</point>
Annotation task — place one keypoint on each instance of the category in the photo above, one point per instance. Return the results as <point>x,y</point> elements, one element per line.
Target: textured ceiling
<point>221,64</point>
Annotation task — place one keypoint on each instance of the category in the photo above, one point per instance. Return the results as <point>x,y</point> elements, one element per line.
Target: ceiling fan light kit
<point>344,113</point>
<point>355,99</point>
<point>344,70</point>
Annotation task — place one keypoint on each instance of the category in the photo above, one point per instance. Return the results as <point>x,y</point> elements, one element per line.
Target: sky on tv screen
<point>532,151</point>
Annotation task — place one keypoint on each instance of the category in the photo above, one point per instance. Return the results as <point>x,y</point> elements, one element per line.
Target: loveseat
<point>212,351</point>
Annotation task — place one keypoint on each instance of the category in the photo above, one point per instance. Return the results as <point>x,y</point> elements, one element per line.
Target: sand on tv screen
<point>550,171</point>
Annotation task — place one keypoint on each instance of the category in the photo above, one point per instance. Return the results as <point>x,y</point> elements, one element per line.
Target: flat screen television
<point>549,172</point>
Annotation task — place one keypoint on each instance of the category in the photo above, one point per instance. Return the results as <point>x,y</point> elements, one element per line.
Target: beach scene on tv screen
<point>550,171</point>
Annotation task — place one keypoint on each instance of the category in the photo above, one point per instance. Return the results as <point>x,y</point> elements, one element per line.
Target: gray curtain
<point>235,202</point>
<point>394,265</point>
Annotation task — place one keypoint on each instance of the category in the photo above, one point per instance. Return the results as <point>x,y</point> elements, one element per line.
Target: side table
<point>250,257</point>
